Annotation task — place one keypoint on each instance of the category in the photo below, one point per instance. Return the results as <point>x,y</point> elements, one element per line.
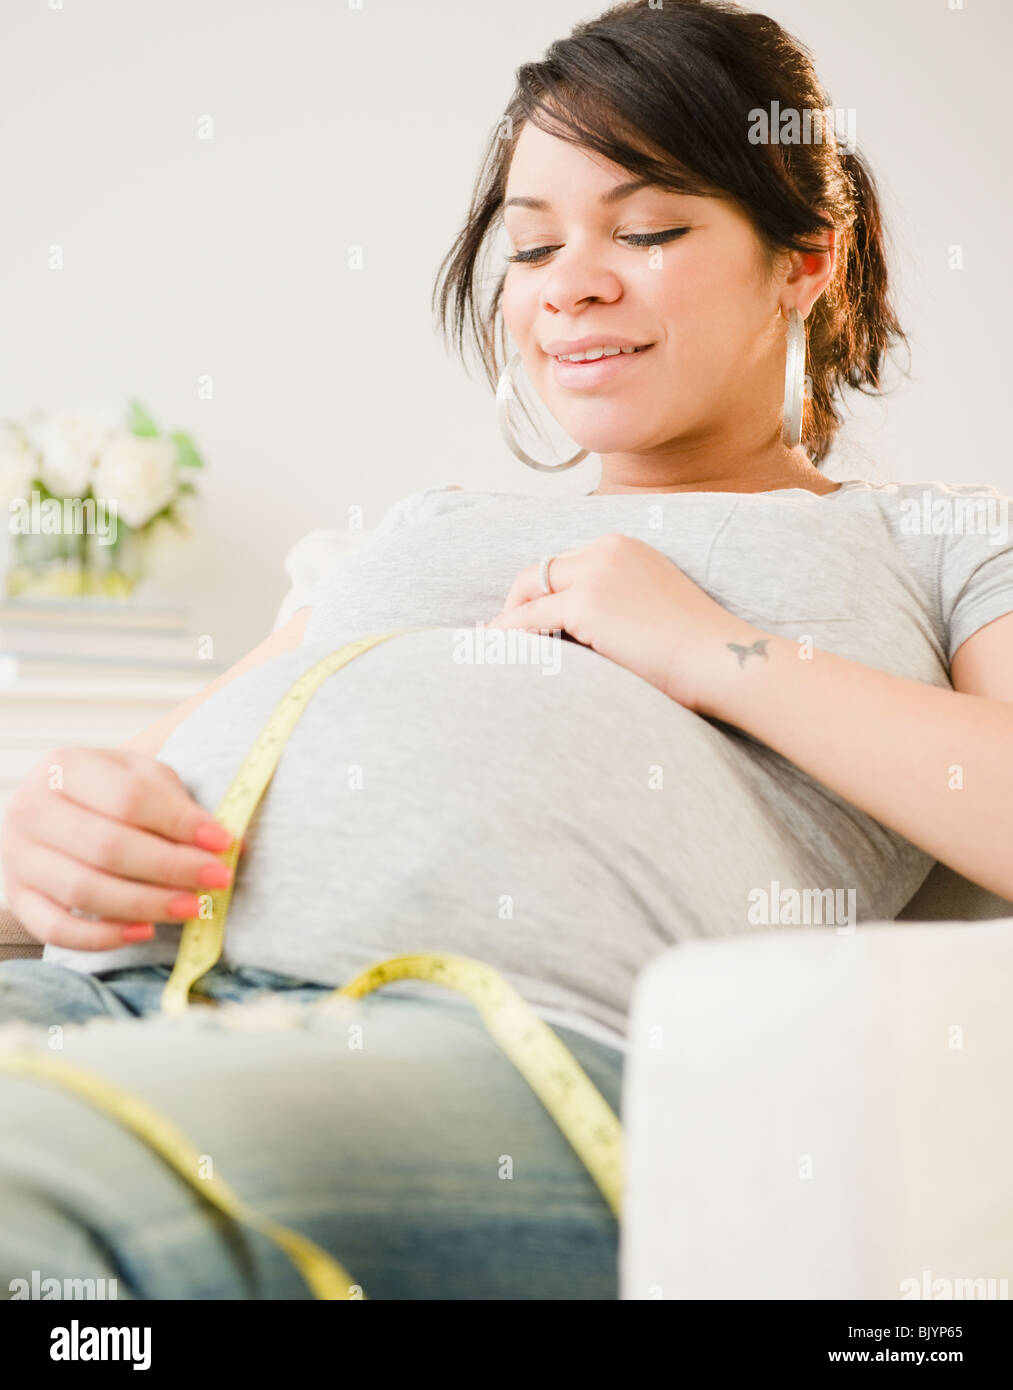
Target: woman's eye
<point>654,238</point>
<point>536,253</point>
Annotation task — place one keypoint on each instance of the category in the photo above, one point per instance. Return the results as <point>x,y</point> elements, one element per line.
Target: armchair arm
<point>16,941</point>
<point>820,1115</point>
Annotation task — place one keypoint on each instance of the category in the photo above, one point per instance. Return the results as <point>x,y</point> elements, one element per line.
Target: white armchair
<point>820,1116</point>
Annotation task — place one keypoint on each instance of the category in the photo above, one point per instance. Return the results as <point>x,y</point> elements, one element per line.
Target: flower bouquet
<point>87,492</point>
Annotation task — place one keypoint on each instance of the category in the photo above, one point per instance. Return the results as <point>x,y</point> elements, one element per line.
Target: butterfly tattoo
<point>759,648</point>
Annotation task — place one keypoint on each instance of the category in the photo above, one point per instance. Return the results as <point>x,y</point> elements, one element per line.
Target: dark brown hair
<point>667,94</point>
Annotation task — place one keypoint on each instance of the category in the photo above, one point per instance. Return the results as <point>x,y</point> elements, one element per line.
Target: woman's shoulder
<point>939,510</point>
<point>956,538</point>
<point>952,515</point>
<point>908,498</point>
<point>428,502</point>
<point>411,507</point>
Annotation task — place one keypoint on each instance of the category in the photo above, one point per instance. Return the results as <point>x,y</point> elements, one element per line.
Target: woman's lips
<point>585,376</point>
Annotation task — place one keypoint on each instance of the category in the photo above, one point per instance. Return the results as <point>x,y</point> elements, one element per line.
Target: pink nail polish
<point>185,905</point>
<point>212,836</point>
<point>138,931</point>
<point>216,875</point>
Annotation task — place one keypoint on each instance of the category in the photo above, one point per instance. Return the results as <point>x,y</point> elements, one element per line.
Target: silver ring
<point>543,574</point>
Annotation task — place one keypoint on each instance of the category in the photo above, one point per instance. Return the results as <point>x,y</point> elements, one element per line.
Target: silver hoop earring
<point>507,392</point>
<point>794,381</point>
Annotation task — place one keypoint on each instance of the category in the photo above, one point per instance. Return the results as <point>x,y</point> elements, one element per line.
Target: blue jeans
<point>419,1157</point>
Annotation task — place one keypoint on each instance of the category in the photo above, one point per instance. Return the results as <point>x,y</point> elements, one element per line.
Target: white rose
<point>18,466</point>
<point>70,444</point>
<point>136,476</point>
<point>33,427</point>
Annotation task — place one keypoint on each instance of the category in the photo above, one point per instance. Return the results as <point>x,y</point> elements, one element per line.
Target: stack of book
<point>99,639</point>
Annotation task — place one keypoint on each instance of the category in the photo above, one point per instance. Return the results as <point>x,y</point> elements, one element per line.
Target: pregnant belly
<point>562,820</point>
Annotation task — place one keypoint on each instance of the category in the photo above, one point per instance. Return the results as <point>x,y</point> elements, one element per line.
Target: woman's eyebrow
<point>621,190</point>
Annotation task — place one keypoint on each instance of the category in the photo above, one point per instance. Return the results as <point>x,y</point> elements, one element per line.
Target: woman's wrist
<point>723,671</point>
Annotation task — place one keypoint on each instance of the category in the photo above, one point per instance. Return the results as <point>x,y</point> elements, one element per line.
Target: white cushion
<point>818,1115</point>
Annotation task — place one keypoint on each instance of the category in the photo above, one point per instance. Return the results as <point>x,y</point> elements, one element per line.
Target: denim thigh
<point>43,992</point>
<point>393,1132</point>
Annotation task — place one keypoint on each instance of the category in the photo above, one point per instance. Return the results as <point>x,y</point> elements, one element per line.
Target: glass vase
<point>67,565</point>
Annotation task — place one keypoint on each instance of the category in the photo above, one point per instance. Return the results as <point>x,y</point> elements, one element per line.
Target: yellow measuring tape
<point>578,1108</point>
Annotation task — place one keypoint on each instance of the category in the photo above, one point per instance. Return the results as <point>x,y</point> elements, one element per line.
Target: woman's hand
<point>109,832</point>
<point>627,601</point>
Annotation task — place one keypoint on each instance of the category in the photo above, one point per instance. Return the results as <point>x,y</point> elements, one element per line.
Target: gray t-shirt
<point>551,813</point>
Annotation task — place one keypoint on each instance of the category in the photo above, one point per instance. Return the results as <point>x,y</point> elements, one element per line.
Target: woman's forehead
<point>545,166</point>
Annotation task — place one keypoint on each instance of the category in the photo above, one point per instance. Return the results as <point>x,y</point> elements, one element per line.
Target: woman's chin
<point>602,428</point>
<point>610,441</point>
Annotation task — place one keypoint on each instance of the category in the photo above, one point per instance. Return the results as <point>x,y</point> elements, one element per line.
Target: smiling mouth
<point>597,354</point>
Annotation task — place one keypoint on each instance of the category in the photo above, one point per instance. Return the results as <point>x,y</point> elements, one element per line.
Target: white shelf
<point>61,689</point>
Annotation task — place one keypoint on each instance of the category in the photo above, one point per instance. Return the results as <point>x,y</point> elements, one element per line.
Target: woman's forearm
<point>283,639</point>
<point>934,765</point>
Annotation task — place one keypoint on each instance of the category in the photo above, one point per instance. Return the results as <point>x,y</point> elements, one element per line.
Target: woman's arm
<point>934,765</point>
<point>983,665</point>
<point>283,639</point>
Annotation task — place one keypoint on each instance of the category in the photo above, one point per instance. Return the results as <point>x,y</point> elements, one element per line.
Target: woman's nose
<point>576,281</point>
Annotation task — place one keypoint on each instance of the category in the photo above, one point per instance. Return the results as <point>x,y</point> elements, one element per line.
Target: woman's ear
<point>808,274</point>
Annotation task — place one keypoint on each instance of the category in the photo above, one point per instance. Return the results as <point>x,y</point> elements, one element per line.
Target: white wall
<point>335,126</point>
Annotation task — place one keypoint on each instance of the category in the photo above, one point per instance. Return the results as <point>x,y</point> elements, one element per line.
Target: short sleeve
<point>311,561</point>
<point>308,564</point>
<point>976,561</point>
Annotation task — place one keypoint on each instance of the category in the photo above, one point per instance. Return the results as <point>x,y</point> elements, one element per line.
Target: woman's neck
<point>787,468</point>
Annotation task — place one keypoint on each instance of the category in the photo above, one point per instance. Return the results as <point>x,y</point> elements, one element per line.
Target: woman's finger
<point>131,789</point>
<point>544,614</point>
<point>126,850</point>
<point>563,572</point>
<point>53,925</point>
<point>74,884</point>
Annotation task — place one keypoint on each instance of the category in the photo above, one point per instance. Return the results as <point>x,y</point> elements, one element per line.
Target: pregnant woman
<point>751,680</point>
